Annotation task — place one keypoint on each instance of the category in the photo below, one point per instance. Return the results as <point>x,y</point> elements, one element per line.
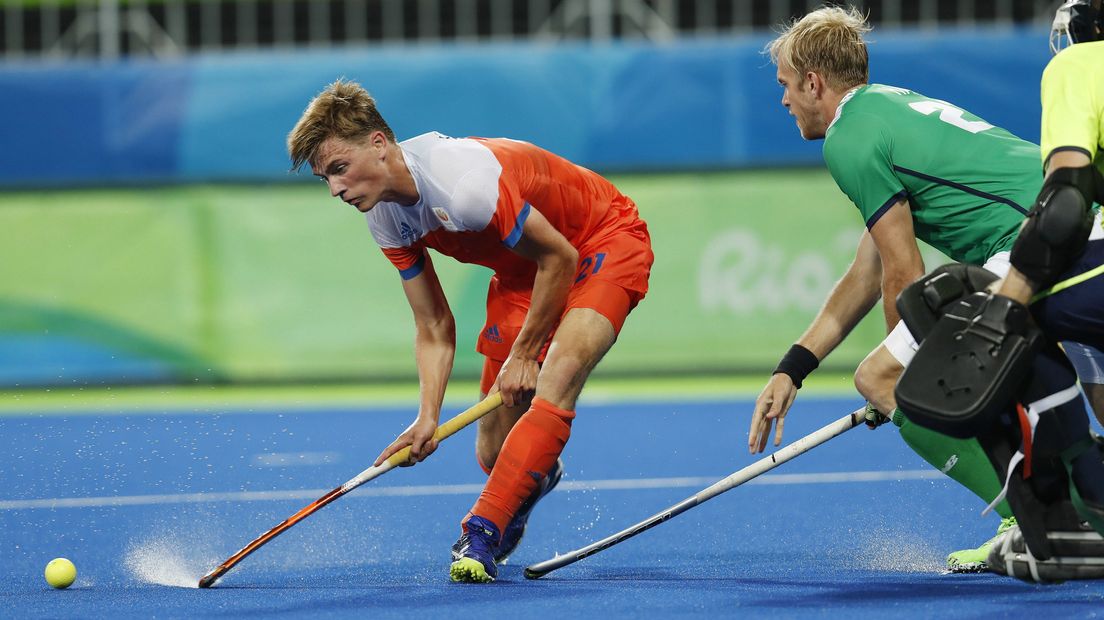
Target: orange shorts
<point>612,279</point>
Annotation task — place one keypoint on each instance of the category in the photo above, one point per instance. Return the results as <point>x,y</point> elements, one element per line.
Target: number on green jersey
<point>949,114</point>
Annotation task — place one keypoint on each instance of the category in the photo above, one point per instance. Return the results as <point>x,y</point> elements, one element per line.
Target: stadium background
<point>194,342</point>
<point>150,231</point>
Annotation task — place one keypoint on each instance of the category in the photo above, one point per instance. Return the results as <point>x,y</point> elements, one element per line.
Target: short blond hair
<point>828,41</point>
<point>343,110</point>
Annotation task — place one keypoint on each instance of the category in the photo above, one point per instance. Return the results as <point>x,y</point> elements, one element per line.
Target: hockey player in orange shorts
<point>571,258</point>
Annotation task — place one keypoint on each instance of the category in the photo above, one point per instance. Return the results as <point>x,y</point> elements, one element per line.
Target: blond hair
<point>342,110</point>
<point>828,41</point>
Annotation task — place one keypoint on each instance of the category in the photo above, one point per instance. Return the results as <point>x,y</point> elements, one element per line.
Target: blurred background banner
<point>150,230</point>
<point>614,107</point>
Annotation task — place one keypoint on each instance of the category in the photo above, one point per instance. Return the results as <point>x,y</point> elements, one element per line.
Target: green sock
<point>961,459</point>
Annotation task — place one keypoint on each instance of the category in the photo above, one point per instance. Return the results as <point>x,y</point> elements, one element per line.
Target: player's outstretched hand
<point>773,404</point>
<point>419,436</point>
<point>517,380</point>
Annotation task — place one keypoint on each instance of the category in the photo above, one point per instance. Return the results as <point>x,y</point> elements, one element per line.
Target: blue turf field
<point>151,502</point>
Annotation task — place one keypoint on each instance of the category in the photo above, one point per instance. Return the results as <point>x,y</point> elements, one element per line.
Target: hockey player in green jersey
<point>916,168</point>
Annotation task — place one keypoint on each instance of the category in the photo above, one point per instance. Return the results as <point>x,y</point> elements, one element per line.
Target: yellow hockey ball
<point>60,573</point>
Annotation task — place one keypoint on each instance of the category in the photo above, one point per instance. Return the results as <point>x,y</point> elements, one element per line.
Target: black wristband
<point>798,362</point>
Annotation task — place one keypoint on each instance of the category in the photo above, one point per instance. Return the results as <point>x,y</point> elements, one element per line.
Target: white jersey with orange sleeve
<point>475,195</point>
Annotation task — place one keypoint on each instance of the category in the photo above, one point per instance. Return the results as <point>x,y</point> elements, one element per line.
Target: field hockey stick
<point>732,481</point>
<point>488,405</point>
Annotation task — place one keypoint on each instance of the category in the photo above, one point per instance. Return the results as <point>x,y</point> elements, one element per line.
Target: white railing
<point>112,28</point>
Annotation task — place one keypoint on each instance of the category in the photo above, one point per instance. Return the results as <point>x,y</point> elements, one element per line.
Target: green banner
<point>276,283</point>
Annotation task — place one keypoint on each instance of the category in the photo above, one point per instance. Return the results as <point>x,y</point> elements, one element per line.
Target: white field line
<point>461,489</point>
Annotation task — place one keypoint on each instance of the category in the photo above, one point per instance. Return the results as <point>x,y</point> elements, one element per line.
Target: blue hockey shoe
<point>516,528</point>
<point>473,555</point>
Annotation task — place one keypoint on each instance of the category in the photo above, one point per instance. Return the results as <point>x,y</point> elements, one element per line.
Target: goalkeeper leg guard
<point>1077,551</point>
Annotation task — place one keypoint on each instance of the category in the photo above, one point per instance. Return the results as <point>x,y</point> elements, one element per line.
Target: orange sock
<point>529,451</point>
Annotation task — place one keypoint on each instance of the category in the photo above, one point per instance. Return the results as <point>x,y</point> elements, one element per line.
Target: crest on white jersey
<point>446,221</point>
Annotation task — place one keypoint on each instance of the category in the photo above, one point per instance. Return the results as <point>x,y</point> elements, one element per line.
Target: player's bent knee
<point>561,380</point>
<point>581,341</point>
<point>863,381</point>
<point>876,376</point>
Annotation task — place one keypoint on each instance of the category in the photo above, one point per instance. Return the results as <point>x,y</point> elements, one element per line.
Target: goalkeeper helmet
<point>1077,21</point>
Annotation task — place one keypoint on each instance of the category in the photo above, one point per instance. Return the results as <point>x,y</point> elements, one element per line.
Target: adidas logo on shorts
<point>491,333</point>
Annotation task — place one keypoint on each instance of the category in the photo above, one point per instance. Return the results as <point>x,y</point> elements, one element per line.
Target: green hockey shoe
<point>976,560</point>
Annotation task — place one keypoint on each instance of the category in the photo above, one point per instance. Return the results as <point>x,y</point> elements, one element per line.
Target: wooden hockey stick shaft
<point>488,405</point>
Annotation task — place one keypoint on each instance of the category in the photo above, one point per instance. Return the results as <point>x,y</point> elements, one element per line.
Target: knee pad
<point>1058,225</point>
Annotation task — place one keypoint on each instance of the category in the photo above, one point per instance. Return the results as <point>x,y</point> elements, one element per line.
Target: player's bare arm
<point>556,261</point>
<point>852,297</point>
<point>1016,285</point>
<point>902,264</point>
<point>434,350</point>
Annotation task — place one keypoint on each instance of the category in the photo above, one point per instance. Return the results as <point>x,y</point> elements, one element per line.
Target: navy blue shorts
<point>1077,313</point>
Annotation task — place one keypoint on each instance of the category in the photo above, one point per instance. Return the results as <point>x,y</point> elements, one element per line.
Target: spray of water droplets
<point>901,553</point>
<point>165,561</point>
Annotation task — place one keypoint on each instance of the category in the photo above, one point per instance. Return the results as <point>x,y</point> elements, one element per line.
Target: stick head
<point>533,574</point>
<point>210,578</point>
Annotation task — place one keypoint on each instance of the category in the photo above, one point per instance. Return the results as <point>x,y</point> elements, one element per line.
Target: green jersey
<point>969,184</point>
